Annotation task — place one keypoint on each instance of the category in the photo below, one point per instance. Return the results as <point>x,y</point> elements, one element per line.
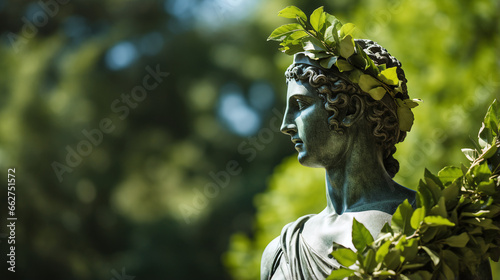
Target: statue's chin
<point>307,161</point>
<point>302,158</point>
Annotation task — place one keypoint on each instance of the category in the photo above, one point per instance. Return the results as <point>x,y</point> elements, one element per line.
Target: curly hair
<point>337,93</point>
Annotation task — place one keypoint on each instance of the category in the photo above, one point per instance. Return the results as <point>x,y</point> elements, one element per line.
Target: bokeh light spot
<point>121,55</point>
<point>235,112</point>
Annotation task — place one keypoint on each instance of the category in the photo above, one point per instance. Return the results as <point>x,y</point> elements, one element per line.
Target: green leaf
<point>347,46</point>
<point>451,259</point>
<point>346,30</point>
<point>437,221</point>
<point>489,152</point>
<point>313,45</point>
<point>382,251</point>
<point>401,220</point>
<point>464,169</point>
<point>429,233</point>
<point>367,82</point>
<point>358,60</point>
<point>491,123</point>
<point>451,194</point>
<point>434,257</point>
<point>480,173</point>
<point>448,273</point>
<point>332,24</point>
<point>410,249</point>
<point>491,212</point>
<point>429,176</point>
<point>449,174</point>
<point>405,116</point>
<point>425,196</point>
<point>377,93</point>
<point>480,244</point>
<point>439,209</point>
<point>384,273</point>
<point>364,55</point>
<point>412,103</point>
<point>473,214</point>
<point>317,55</point>
<point>482,222</point>
<point>494,254</point>
<point>369,261</point>
<point>295,38</point>
<point>420,275</point>
<point>389,76</point>
<point>487,187</point>
<point>457,240</point>
<point>412,266</point>
<point>345,256</point>
<point>340,274</point>
<point>400,247</point>
<point>404,277</point>
<point>283,31</point>
<point>343,65</point>
<point>317,19</point>
<point>292,49</point>
<point>434,185</point>
<point>292,12</point>
<point>467,256</point>
<point>485,137</point>
<point>417,218</point>
<point>327,63</point>
<point>393,259</point>
<point>386,229</point>
<point>470,154</point>
<point>332,20</point>
<point>382,67</point>
<point>331,37</point>
<point>361,237</point>
<point>355,75</point>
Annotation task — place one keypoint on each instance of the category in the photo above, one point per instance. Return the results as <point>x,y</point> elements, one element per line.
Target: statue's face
<point>306,121</point>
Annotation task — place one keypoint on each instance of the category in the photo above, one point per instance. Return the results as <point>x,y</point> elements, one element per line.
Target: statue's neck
<point>359,181</point>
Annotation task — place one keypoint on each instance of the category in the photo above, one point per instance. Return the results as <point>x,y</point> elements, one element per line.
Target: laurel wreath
<point>325,39</point>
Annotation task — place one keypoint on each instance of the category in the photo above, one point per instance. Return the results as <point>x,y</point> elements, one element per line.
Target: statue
<point>337,127</point>
<point>338,123</point>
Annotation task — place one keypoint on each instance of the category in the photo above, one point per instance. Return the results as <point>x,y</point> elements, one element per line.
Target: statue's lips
<point>298,143</point>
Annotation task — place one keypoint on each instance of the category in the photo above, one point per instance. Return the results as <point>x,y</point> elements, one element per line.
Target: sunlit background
<point>144,133</point>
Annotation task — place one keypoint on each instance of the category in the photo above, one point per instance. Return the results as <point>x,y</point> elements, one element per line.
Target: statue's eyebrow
<point>301,96</point>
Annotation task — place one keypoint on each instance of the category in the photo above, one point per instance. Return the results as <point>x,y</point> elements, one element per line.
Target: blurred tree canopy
<point>142,130</point>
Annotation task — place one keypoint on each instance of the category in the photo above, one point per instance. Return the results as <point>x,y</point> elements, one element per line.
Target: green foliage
<point>455,227</point>
<point>344,256</point>
<point>331,43</point>
<point>360,235</point>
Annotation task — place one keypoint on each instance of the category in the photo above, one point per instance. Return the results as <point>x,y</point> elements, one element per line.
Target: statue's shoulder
<point>271,257</point>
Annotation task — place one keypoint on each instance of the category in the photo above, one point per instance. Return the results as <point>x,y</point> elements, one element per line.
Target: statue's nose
<point>288,125</point>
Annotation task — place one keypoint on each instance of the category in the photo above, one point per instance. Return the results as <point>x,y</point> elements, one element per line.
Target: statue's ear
<point>355,111</point>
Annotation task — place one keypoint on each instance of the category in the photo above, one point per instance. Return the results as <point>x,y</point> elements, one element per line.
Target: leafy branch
<point>454,228</point>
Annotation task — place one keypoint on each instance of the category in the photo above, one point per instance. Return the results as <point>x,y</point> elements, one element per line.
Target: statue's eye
<point>302,103</point>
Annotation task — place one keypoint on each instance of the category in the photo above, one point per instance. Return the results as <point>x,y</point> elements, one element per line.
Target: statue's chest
<point>322,230</point>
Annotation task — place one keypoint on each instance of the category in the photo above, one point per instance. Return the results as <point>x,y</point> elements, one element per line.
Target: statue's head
<point>345,103</point>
